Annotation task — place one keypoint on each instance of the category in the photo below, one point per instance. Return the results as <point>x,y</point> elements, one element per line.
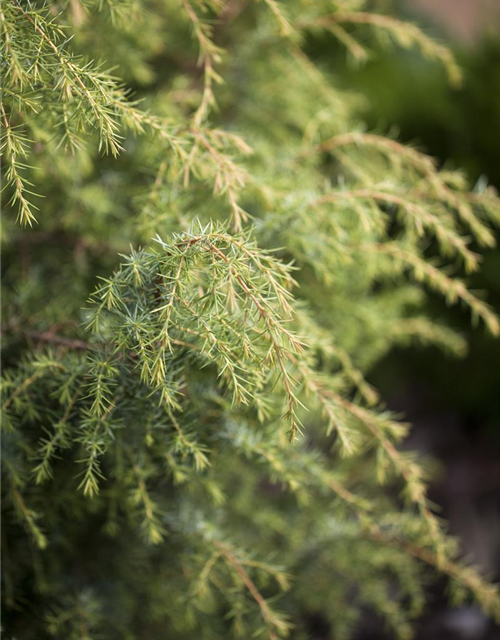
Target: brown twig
<point>250,585</point>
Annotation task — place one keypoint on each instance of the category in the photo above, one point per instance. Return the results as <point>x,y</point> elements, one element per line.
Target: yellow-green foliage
<point>192,450</point>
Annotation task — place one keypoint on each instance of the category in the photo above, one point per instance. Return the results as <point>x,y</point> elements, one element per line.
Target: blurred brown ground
<point>464,20</point>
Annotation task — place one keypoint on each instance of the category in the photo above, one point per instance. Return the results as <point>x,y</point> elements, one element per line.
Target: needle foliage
<point>204,253</point>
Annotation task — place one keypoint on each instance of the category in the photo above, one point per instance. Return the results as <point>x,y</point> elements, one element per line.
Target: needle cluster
<point>199,275</point>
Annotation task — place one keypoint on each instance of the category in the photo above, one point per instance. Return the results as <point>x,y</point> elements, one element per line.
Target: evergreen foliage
<point>195,451</point>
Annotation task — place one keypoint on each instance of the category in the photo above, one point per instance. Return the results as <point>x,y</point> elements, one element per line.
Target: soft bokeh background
<point>453,405</point>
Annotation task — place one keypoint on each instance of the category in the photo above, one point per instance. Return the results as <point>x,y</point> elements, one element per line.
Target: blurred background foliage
<point>454,405</point>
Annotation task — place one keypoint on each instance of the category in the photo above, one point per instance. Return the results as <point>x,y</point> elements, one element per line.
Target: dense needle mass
<point>198,274</point>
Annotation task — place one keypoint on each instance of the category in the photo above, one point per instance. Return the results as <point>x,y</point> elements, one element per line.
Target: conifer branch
<point>15,147</point>
<point>421,218</point>
<point>276,626</point>
<point>452,289</point>
<point>423,164</point>
<point>406,35</point>
<point>209,56</point>
<point>487,595</point>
